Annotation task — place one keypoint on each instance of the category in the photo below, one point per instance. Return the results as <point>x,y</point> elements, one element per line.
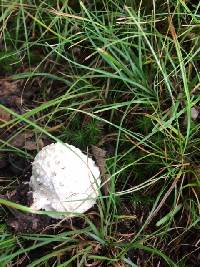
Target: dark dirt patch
<point>20,222</point>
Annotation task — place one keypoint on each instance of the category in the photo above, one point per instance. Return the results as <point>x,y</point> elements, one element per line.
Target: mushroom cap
<point>64,179</point>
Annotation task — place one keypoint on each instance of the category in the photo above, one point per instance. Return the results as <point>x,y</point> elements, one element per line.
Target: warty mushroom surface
<point>64,179</point>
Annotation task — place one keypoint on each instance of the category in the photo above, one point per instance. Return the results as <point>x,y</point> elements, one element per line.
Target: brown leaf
<point>33,145</point>
<point>20,140</point>
<point>8,88</point>
<point>100,155</point>
<point>4,115</point>
<point>25,140</point>
<point>30,145</point>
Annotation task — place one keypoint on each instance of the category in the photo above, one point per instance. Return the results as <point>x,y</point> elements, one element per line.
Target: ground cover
<point>120,80</point>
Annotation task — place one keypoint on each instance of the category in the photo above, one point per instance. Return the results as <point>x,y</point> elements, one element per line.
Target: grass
<point>124,77</point>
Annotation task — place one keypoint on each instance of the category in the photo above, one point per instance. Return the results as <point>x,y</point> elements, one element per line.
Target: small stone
<point>194,113</point>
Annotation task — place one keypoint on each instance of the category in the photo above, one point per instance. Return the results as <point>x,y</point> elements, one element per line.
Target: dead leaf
<point>8,88</point>
<point>11,101</point>
<point>4,115</point>
<point>20,139</point>
<point>30,145</point>
<point>25,140</point>
<point>33,145</point>
<point>100,155</point>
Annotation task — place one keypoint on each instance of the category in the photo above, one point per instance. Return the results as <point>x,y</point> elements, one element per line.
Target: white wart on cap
<point>64,179</point>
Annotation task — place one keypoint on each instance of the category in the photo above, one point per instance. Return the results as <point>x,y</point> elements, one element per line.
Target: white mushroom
<point>64,179</point>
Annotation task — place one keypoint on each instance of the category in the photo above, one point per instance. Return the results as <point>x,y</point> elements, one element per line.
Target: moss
<point>9,61</point>
<point>82,135</point>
